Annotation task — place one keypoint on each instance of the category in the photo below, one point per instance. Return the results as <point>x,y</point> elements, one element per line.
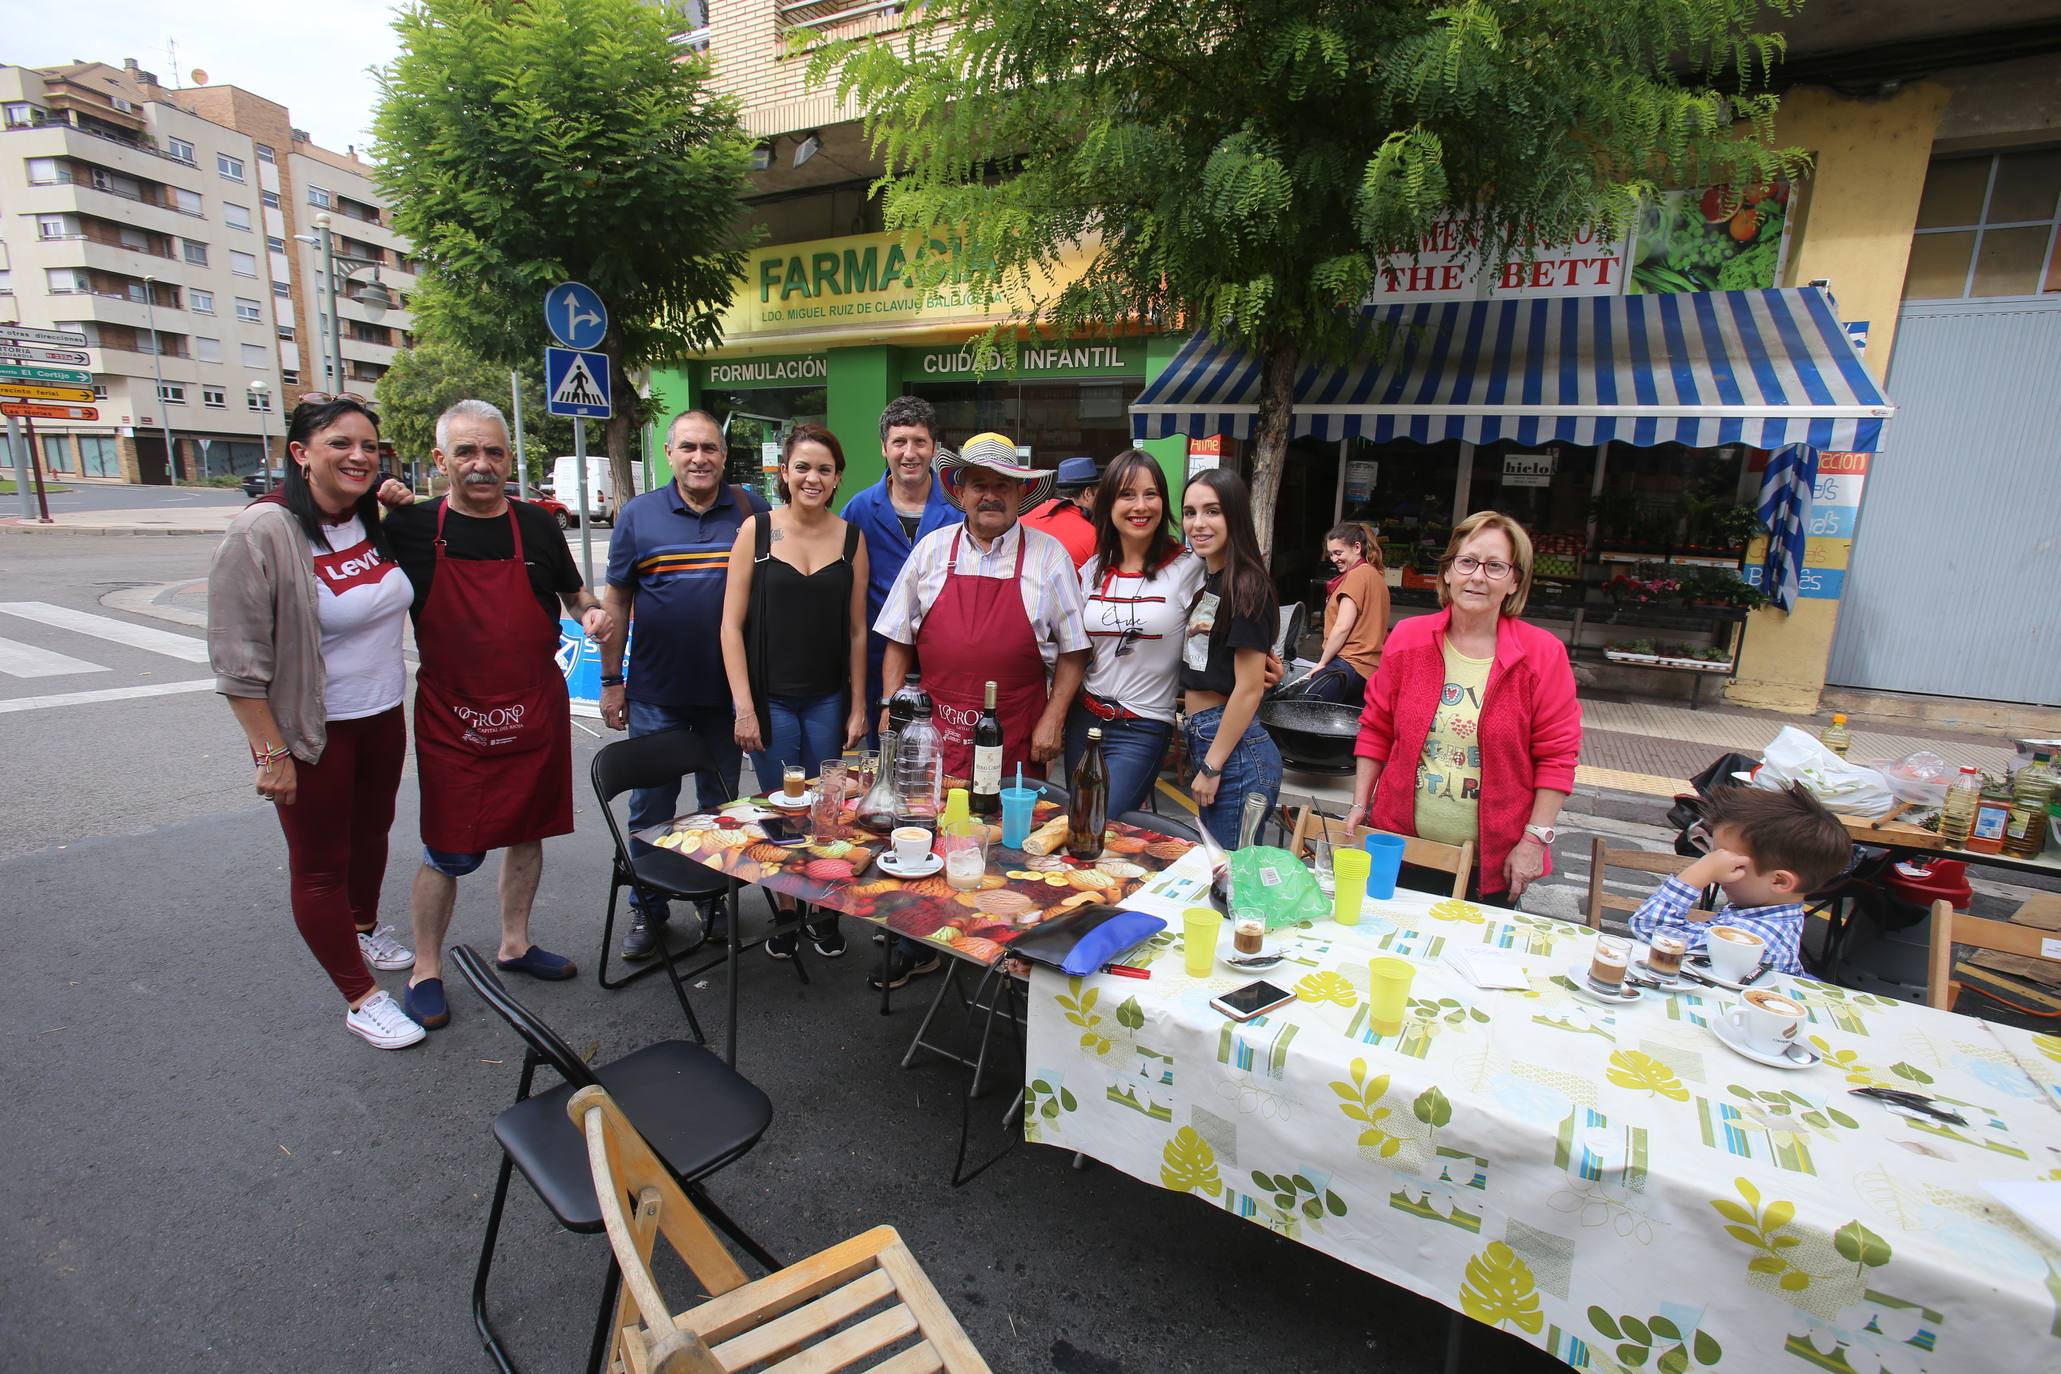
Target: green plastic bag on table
<point>1276,884</point>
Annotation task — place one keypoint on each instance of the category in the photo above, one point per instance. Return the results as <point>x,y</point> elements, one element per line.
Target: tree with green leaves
<point>528,142</point>
<point>428,378</point>
<point>1249,167</point>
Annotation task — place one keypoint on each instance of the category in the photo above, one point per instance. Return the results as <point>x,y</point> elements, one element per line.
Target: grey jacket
<point>265,623</point>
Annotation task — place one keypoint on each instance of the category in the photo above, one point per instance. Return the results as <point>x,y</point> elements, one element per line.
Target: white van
<point>601,501</point>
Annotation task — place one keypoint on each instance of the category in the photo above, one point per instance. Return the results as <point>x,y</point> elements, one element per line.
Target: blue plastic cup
<point>1385,855</point>
<point>1017,805</point>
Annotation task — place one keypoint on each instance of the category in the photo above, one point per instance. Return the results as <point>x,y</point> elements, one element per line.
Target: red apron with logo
<point>977,633</point>
<point>493,724</point>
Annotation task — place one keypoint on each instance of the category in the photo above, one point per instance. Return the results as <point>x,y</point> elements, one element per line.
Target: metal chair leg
<point>1455,1329</point>
<point>949,984</point>
<point>729,1227</point>
<point>480,1321</point>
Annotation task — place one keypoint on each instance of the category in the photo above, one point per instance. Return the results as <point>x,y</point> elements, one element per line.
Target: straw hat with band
<point>996,453</point>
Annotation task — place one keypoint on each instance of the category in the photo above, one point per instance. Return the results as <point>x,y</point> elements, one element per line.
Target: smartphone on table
<point>1254,999</point>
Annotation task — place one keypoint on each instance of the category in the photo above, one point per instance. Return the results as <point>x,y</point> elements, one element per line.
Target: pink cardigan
<point>1531,729</point>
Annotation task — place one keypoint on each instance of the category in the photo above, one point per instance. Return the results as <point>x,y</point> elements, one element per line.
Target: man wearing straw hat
<point>990,600</point>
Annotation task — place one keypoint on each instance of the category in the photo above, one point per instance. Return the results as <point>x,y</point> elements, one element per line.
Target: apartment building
<point>162,225</point>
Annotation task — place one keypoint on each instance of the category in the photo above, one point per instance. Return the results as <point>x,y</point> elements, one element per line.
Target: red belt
<point>1106,710</point>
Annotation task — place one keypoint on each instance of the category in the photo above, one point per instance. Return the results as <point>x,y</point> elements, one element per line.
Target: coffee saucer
<point>1270,953</point>
<point>1578,975</point>
<point>1697,966</point>
<point>888,864</point>
<point>1664,982</point>
<point>787,803</point>
<point>1796,1057</point>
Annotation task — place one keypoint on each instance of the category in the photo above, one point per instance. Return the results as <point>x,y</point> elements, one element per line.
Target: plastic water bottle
<point>919,767</point>
<point>1957,818</point>
<point>1835,737</point>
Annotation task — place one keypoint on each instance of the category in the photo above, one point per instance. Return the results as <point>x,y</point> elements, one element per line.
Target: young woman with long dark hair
<point>1138,585</point>
<point>1355,615</point>
<point>305,612</point>
<point>1230,630</point>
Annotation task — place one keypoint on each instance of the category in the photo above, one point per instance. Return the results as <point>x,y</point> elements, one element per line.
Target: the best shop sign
<point>1448,267</point>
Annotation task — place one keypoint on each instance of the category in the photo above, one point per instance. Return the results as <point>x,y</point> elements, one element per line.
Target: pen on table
<point>1127,971</point>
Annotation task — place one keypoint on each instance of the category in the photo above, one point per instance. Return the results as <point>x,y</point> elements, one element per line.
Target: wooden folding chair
<point>1602,856</point>
<point>1456,859</point>
<point>862,1304</point>
<point>1951,927</point>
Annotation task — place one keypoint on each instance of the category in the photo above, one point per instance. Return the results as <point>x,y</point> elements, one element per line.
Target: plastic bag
<point>1276,884</point>
<point>1920,779</point>
<point>1852,788</point>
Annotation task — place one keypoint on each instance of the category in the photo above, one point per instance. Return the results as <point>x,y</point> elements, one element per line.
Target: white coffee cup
<point>1734,952</point>
<point>1766,1020</point>
<point>912,846</point>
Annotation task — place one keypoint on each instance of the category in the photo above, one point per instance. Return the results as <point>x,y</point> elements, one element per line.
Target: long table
<point>1609,1183</point>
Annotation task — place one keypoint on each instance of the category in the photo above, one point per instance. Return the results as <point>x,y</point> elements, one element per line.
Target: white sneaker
<point>381,1023</point>
<point>383,951</point>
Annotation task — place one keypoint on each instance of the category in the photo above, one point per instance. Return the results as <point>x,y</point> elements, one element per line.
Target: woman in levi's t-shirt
<point>336,806</point>
<point>1139,586</point>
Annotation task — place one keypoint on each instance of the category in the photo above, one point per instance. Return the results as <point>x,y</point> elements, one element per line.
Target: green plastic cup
<point>1200,928</point>
<point>1388,992</point>
<point>1349,867</point>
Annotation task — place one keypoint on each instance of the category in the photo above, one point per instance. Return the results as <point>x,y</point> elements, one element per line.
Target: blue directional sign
<point>575,315</point>
<point>576,384</point>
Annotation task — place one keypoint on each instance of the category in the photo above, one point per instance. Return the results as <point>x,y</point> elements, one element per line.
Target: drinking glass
<point>828,817</point>
<point>794,780</point>
<point>1320,858</point>
<point>965,847</point>
<point>1385,855</point>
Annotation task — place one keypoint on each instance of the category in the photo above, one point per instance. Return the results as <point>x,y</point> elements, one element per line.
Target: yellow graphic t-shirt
<point>1449,773</point>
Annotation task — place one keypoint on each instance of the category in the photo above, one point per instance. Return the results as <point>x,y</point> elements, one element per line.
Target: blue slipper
<point>539,962</point>
<point>425,1005</point>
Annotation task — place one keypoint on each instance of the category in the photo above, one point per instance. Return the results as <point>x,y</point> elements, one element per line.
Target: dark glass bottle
<point>1087,812</point>
<point>986,798</point>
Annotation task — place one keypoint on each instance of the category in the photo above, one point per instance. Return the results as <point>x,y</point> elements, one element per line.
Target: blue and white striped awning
<point>1764,368</point>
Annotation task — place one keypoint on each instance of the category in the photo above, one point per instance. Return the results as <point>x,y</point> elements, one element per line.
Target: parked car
<point>556,509</point>
<point>254,485</point>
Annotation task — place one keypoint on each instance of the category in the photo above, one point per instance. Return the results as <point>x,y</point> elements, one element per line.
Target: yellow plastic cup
<point>1200,928</point>
<point>1388,992</point>
<point>1349,868</point>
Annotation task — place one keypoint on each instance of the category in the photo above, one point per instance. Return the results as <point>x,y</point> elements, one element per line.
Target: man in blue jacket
<point>903,506</point>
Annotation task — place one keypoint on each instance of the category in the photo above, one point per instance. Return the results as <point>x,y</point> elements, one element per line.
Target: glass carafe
<point>919,770</point>
<point>877,808</point>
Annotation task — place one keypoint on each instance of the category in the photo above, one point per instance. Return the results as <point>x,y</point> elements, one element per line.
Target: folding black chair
<point>698,1113</point>
<point>654,760</point>
<point>1159,823</point>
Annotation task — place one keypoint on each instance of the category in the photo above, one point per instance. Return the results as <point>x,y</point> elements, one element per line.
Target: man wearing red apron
<point>987,600</point>
<point>493,728</point>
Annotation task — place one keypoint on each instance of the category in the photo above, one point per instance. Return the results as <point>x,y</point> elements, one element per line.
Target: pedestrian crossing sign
<point>576,384</point>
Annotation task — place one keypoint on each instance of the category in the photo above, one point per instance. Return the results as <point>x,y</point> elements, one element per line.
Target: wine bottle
<point>1087,812</point>
<point>987,759</point>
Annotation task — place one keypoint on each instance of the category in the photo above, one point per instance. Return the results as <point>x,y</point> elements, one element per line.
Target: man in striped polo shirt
<point>668,559</point>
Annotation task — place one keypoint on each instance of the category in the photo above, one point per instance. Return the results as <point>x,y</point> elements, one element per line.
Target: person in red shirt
<point>1069,516</point>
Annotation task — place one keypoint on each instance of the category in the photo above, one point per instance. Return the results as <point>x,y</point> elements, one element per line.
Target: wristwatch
<point>1208,772</point>
<point>1542,833</point>
<point>611,679</point>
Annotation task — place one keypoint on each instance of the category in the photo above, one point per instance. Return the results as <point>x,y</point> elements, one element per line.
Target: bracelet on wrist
<point>612,679</point>
<point>269,755</point>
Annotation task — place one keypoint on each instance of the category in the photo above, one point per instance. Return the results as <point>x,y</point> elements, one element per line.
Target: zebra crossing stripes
<point>186,648</point>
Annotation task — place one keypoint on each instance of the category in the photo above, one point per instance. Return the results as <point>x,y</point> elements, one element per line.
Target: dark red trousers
<point>336,841</point>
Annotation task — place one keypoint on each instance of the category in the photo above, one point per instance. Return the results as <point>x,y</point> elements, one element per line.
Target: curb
<point>16,525</point>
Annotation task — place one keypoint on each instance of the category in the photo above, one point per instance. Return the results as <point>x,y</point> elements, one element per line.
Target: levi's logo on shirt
<point>357,566</point>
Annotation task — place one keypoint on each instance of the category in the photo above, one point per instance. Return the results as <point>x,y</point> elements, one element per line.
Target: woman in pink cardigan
<point>1480,709</point>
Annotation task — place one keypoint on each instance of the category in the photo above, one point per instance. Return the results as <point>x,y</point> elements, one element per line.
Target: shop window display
<point>1054,420</point>
<point>753,420</point>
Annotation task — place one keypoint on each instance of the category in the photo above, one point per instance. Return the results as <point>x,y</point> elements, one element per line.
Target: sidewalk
<point>203,520</point>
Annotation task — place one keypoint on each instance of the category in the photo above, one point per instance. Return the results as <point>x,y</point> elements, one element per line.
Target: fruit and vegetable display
<point>1718,239</point>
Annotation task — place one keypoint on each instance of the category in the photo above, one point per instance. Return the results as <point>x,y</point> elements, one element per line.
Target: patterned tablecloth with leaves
<point>1612,1184</point>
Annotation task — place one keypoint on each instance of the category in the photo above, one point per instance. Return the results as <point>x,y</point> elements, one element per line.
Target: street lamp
<point>157,373</point>
<point>259,386</point>
<point>374,296</point>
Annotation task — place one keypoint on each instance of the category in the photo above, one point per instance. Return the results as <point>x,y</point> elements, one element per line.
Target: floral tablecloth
<point>1018,892</point>
<point>1610,1183</point>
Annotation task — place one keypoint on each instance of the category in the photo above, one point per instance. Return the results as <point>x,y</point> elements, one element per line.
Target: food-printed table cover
<point>1610,1183</point>
<point>1018,892</point>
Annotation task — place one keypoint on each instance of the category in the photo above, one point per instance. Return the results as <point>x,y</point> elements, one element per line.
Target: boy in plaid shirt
<point>1768,851</point>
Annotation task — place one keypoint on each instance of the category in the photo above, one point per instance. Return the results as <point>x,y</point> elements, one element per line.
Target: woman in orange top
<point>1355,616</point>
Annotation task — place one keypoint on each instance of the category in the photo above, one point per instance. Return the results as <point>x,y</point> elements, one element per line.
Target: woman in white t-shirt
<point>306,607</point>
<point>1139,585</point>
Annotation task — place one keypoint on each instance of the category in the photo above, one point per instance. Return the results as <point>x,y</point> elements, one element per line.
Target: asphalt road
<point>85,496</point>
<point>206,1172</point>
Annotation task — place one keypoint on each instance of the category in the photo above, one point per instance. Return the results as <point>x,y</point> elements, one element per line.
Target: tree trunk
<point>617,431</point>
<point>1281,359</point>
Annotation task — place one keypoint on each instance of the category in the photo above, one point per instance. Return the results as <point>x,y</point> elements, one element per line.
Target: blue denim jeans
<point>1133,749</point>
<point>655,805</point>
<point>800,731</point>
<point>1254,765</point>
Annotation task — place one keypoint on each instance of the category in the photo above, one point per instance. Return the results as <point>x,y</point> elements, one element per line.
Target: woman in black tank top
<point>794,622</point>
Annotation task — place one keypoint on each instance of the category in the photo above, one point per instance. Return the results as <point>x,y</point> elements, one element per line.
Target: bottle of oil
<point>1957,817</point>
<point>2025,833</point>
<point>1835,737</point>
<point>1087,810</point>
